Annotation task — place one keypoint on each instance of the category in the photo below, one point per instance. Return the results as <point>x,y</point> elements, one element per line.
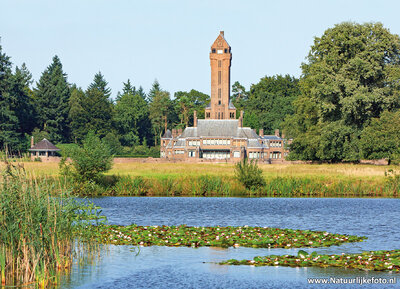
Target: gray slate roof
<point>271,137</point>
<point>219,128</point>
<point>44,145</point>
<point>167,134</point>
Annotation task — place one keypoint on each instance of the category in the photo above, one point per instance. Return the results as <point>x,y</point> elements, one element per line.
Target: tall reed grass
<point>36,229</point>
<point>228,186</point>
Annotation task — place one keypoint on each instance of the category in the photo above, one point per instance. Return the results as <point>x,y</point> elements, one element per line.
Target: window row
<point>194,143</point>
<point>216,155</point>
<point>275,144</point>
<point>216,141</point>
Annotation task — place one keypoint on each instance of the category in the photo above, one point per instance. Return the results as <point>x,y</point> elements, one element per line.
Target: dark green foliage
<point>160,109</point>
<point>270,101</point>
<point>351,77</point>
<point>131,119</point>
<point>89,161</point>
<point>51,100</point>
<point>77,115</point>
<point>111,140</point>
<point>381,139</point>
<point>239,96</point>
<point>187,102</point>
<point>11,120</point>
<point>100,84</point>
<point>249,174</point>
<point>97,112</point>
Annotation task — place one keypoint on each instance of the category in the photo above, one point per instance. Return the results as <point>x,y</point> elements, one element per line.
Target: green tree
<point>52,95</point>
<point>9,138</point>
<point>271,100</point>
<point>381,139</point>
<point>90,160</point>
<point>239,96</point>
<point>187,102</point>
<point>159,108</point>
<point>127,89</point>
<point>350,77</point>
<point>77,115</point>
<point>131,119</point>
<point>100,84</point>
<point>155,88</point>
<point>98,112</point>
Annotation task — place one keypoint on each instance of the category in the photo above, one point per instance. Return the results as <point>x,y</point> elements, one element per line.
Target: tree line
<point>344,106</point>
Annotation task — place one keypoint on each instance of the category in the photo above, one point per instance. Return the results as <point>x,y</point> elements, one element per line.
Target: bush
<point>88,161</point>
<point>249,174</point>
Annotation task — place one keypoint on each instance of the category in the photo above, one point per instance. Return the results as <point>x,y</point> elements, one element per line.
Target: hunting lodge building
<point>221,136</point>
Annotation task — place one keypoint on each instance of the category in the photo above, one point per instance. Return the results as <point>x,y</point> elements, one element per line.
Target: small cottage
<point>44,150</point>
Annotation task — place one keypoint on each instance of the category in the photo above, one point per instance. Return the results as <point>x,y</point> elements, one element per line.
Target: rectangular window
<point>236,154</point>
<point>204,142</point>
<point>192,154</point>
<point>208,141</point>
<point>219,51</point>
<point>212,142</point>
<point>228,142</point>
<point>224,142</point>
<point>213,50</point>
<point>219,76</point>
<point>226,50</point>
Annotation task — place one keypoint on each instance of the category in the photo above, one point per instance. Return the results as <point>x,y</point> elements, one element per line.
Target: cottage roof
<point>44,145</point>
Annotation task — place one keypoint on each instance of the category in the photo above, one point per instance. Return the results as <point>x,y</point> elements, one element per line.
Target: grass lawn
<point>324,172</point>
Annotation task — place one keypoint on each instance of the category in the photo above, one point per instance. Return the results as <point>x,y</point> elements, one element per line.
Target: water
<point>169,267</point>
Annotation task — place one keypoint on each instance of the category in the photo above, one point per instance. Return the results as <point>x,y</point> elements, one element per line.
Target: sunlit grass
<point>369,173</point>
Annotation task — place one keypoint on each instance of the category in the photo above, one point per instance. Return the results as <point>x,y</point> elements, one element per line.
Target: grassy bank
<point>228,186</point>
<point>37,230</point>
<point>371,260</point>
<point>181,179</point>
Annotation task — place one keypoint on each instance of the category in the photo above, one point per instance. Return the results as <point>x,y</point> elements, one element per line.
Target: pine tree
<point>77,116</point>
<point>97,106</point>
<point>100,84</point>
<point>51,101</point>
<point>10,139</point>
<point>153,91</point>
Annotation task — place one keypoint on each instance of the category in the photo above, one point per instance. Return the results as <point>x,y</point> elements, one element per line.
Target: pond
<point>170,267</point>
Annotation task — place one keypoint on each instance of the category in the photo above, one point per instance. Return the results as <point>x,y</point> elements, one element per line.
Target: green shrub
<point>88,161</point>
<point>249,174</point>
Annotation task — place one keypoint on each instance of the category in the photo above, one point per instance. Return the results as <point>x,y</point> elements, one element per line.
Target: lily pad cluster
<point>371,260</point>
<point>245,236</point>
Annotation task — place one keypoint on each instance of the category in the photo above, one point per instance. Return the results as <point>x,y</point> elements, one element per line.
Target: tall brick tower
<point>220,106</point>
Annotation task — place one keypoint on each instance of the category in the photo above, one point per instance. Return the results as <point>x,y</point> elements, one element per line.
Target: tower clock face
<point>220,43</point>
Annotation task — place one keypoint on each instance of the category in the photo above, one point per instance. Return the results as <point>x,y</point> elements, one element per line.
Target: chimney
<point>32,142</point>
<point>195,119</point>
<point>241,119</point>
<point>179,131</point>
<point>277,132</point>
<point>222,33</point>
<point>261,132</point>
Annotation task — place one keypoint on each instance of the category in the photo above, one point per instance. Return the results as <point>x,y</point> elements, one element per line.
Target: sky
<point>169,40</point>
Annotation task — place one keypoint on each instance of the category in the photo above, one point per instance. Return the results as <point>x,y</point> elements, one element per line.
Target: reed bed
<point>36,229</point>
<point>229,186</point>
